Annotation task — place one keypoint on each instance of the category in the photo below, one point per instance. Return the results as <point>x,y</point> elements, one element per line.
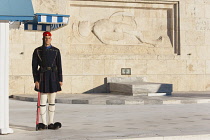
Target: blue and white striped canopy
<point>46,22</point>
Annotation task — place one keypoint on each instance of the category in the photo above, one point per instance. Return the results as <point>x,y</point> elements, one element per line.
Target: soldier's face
<point>47,40</point>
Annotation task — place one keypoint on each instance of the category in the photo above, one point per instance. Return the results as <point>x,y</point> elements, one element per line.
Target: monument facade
<point>164,41</point>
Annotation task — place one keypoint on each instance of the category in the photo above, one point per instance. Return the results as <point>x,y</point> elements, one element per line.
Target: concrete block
<point>63,101</point>
<point>136,86</point>
<point>134,102</point>
<point>140,88</point>
<point>151,88</point>
<point>115,102</point>
<point>188,102</point>
<point>172,102</point>
<point>97,102</point>
<point>79,101</point>
<point>152,102</point>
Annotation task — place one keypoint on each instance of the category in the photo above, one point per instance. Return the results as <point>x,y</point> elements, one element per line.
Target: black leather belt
<point>49,68</point>
<point>44,69</point>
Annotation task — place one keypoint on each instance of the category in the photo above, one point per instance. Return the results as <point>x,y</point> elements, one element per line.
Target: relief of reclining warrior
<point>120,29</point>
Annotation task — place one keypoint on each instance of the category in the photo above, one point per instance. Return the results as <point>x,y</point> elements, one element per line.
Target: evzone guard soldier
<point>48,79</point>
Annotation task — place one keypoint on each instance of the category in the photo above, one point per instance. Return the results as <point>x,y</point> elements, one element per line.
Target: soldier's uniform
<point>49,73</point>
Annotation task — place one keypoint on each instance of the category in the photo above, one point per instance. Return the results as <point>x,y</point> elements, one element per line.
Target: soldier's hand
<point>61,83</point>
<point>37,84</point>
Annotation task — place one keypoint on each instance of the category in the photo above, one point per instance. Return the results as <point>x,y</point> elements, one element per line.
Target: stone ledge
<point>107,99</point>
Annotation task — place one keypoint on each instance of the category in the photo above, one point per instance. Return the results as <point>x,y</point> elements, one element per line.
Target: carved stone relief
<point>119,29</point>
<point>152,26</point>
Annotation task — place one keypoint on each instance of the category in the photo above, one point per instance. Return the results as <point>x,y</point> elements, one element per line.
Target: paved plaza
<point>114,122</point>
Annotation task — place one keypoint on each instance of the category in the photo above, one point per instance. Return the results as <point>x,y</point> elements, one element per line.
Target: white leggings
<point>51,107</point>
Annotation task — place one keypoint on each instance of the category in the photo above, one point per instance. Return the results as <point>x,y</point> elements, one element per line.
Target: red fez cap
<point>47,34</point>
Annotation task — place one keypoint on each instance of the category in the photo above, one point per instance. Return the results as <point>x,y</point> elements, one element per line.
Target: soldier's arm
<point>59,66</point>
<point>35,66</point>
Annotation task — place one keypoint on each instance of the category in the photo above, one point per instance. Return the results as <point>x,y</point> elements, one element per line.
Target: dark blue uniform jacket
<point>47,69</point>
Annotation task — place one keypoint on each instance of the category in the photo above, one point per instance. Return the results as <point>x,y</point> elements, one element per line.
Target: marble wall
<point>164,41</point>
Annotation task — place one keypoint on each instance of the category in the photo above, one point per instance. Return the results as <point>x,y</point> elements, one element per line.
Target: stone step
<point>137,86</point>
<point>125,79</point>
<point>141,88</point>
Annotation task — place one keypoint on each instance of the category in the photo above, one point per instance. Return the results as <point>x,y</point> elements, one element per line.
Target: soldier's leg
<point>43,109</point>
<point>51,107</point>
